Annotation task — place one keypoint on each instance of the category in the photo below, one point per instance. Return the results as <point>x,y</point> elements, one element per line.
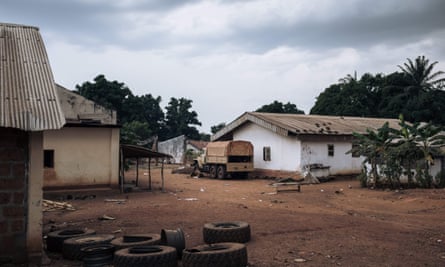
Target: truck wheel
<point>221,173</point>
<point>218,232</point>
<point>161,256</point>
<point>216,255</point>
<point>212,171</point>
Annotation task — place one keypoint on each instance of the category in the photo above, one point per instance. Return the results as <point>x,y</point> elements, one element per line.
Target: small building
<point>29,106</point>
<point>85,152</point>
<point>181,148</point>
<point>289,144</point>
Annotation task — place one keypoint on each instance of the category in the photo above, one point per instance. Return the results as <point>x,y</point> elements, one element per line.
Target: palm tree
<point>420,75</point>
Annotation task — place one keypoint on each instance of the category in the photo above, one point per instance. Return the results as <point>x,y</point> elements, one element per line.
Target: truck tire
<point>218,232</point>
<point>212,171</point>
<point>98,255</point>
<point>221,172</point>
<point>54,241</point>
<point>72,247</point>
<point>216,255</point>
<point>136,240</point>
<point>160,256</point>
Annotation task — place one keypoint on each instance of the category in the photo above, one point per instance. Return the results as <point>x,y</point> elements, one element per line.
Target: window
<point>330,150</point>
<point>355,153</point>
<point>266,153</point>
<point>48,158</point>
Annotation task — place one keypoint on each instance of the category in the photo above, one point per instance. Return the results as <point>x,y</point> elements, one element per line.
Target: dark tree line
<point>417,93</point>
<point>142,117</point>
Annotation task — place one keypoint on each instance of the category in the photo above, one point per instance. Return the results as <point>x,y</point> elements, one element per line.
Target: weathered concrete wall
<point>175,147</point>
<point>83,156</point>
<point>77,108</point>
<point>14,171</point>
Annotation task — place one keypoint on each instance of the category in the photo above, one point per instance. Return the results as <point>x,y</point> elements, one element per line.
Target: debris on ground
<point>49,205</point>
<point>119,201</point>
<point>106,218</point>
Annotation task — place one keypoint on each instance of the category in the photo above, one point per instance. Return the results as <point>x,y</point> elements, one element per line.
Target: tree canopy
<point>417,93</point>
<point>278,107</point>
<point>142,117</point>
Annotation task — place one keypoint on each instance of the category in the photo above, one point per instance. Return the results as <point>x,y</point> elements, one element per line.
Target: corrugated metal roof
<point>28,98</point>
<point>297,124</point>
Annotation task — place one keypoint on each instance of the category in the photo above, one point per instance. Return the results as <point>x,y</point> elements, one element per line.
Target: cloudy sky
<point>231,56</point>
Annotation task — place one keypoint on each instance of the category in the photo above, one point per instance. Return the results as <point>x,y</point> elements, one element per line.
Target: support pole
<point>162,174</point>
<point>149,174</point>
<point>137,171</point>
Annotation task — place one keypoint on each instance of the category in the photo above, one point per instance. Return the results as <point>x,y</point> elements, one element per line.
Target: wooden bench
<point>288,186</point>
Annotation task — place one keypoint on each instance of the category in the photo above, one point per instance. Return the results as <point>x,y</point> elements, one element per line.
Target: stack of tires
<point>105,250</point>
<point>225,247</point>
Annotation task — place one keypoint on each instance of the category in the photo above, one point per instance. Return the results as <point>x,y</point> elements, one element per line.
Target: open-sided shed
<point>138,152</point>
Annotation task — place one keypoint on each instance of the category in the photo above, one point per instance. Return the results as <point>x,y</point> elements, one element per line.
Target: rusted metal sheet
<point>306,125</point>
<point>28,98</point>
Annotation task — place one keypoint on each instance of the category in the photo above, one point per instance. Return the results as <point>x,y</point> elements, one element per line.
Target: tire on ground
<point>216,255</point>
<point>136,240</point>
<point>98,255</point>
<point>160,256</point>
<point>218,232</point>
<point>54,240</point>
<point>72,247</point>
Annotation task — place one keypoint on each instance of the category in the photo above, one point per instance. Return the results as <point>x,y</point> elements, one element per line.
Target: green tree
<point>180,119</point>
<point>350,97</point>
<point>420,75</point>
<point>135,132</point>
<point>214,129</point>
<point>110,94</point>
<point>278,107</point>
<point>145,109</point>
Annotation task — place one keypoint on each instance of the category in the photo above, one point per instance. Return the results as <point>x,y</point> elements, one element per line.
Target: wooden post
<point>149,175</point>
<point>137,171</point>
<point>122,170</point>
<point>162,174</point>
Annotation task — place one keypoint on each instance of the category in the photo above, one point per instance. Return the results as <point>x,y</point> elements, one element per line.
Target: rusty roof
<point>298,124</point>
<point>28,98</point>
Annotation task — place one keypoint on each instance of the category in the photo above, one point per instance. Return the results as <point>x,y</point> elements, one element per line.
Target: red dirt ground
<point>330,224</point>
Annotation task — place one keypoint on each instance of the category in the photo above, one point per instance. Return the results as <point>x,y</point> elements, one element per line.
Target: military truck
<point>226,158</point>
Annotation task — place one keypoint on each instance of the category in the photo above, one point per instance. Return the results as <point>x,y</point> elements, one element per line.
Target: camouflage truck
<point>226,158</point>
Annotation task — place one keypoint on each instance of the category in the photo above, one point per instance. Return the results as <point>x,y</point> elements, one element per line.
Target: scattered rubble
<point>49,205</point>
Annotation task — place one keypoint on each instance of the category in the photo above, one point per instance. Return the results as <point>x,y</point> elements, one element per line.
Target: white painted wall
<point>285,151</point>
<point>291,154</point>
<point>340,163</point>
<point>83,156</point>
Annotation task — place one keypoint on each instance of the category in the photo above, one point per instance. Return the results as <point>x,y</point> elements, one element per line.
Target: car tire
<point>54,240</point>
<point>140,256</point>
<point>234,231</point>
<point>72,247</point>
<point>136,240</point>
<point>216,255</point>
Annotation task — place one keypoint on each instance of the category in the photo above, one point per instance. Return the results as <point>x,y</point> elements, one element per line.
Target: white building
<point>292,143</point>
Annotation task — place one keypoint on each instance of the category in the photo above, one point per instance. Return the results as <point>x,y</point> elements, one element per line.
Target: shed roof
<point>28,98</point>
<point>132,151</point>
<point>298,124</point>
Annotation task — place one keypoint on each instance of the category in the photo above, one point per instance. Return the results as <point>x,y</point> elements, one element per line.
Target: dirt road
<point>329,224</point>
